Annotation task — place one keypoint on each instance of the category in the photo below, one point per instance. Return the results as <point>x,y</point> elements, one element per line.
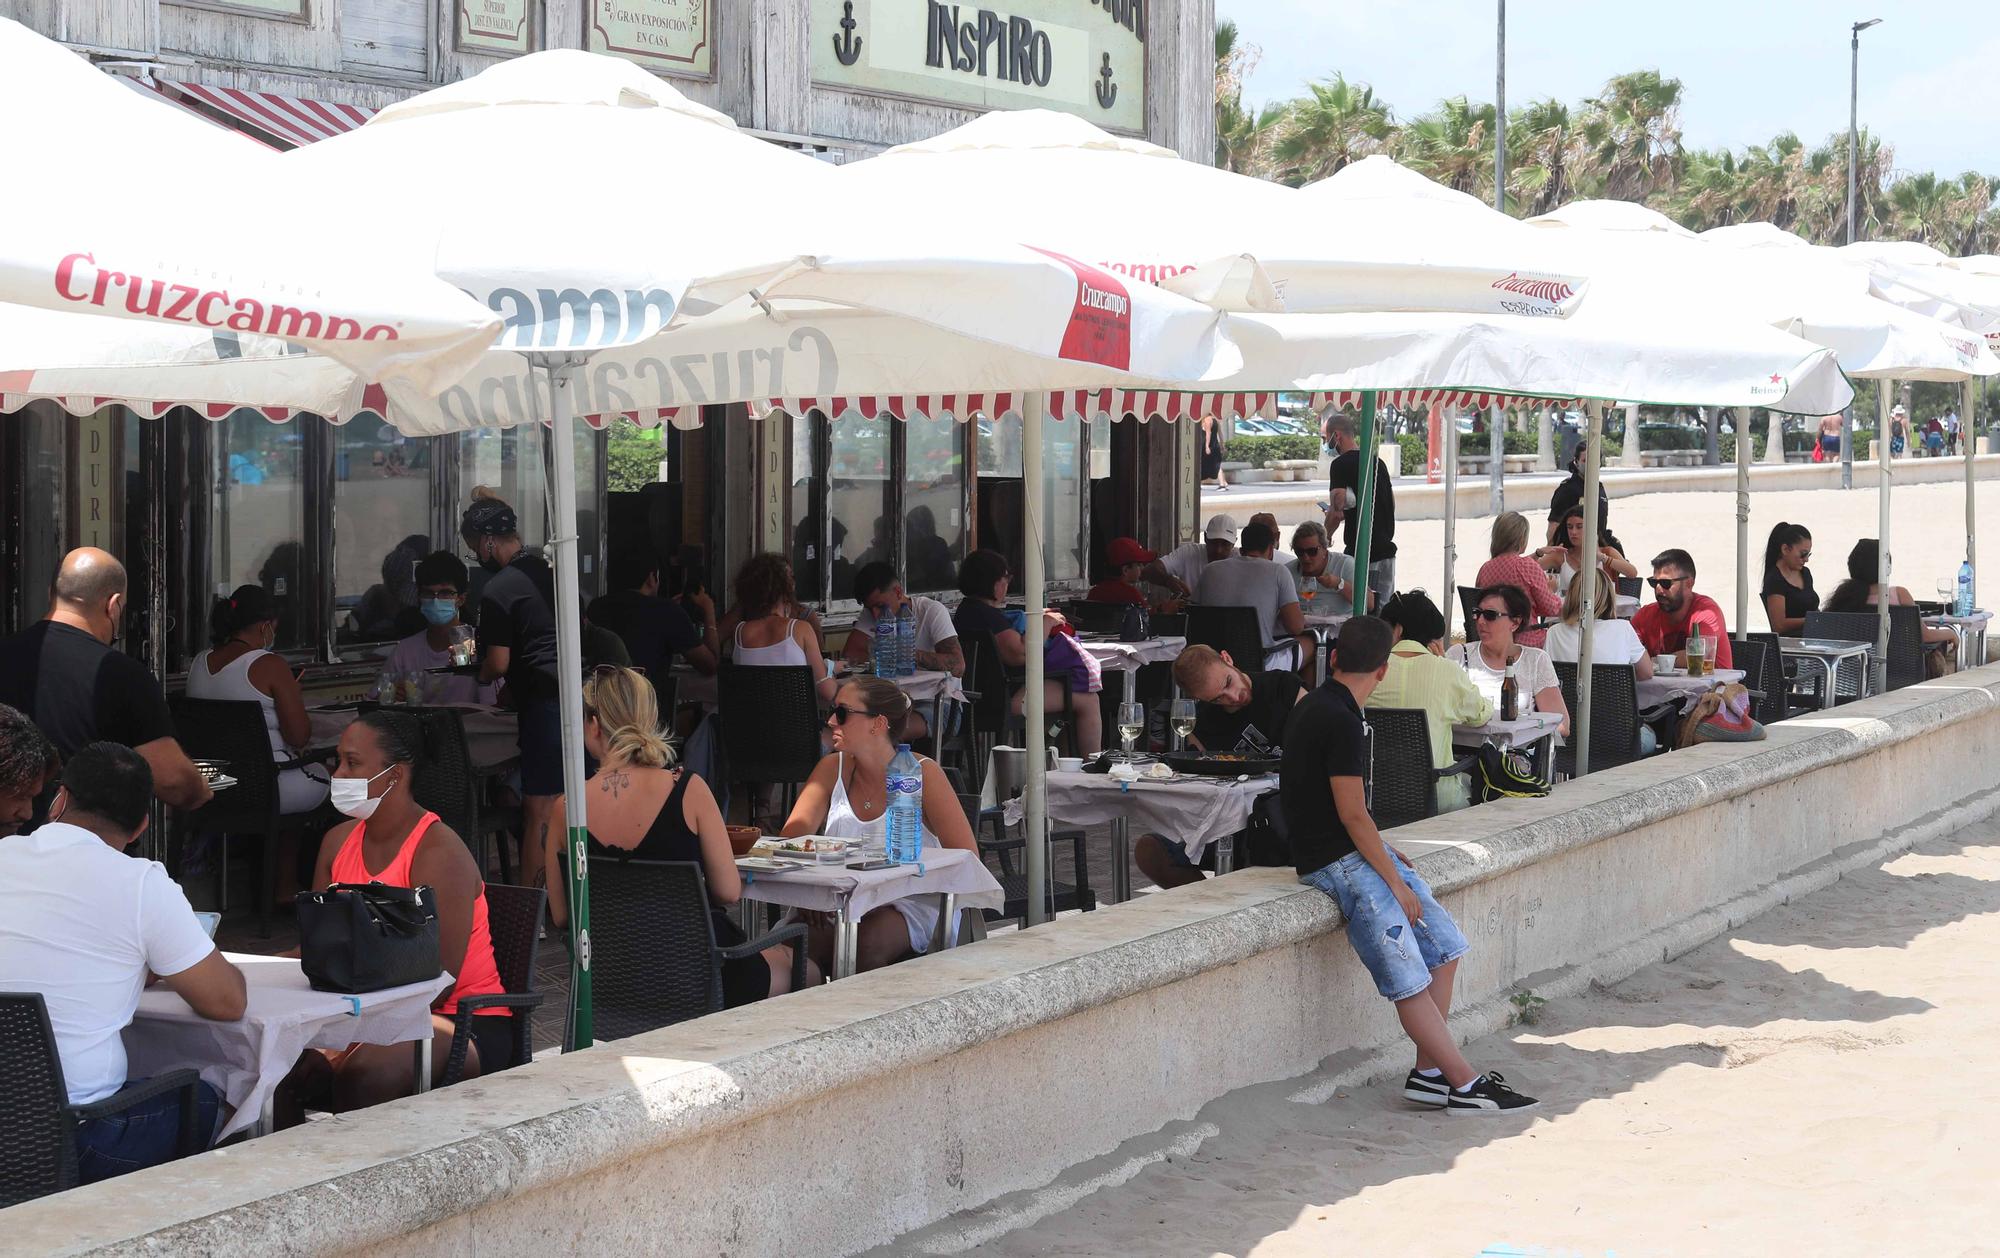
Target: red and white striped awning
<point>1463,399</point>
<point>155,92</point>
<point>285,121</point>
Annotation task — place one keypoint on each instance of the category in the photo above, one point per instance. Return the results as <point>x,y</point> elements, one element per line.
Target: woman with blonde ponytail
<point>642,807</point>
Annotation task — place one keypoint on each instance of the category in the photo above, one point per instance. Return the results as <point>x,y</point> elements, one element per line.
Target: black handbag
<point>356,937</point>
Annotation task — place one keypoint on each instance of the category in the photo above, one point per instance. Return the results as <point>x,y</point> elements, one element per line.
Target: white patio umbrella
<point>175,260</point>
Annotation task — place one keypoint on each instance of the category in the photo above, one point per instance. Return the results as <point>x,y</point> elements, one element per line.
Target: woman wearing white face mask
<point>393,840</point>
<point>242,666</point>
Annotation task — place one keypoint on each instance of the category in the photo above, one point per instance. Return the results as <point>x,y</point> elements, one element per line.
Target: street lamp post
<point>1500,111</point>
<point>1853,176</point>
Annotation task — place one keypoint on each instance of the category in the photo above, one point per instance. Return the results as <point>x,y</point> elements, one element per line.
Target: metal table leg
<point>1225,855</point>
<point>1121,860</point>
<point>846,940</point>
<point>424,1062</point>
<point>948,919</point>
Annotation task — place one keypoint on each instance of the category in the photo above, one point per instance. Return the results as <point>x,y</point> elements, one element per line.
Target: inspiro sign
<point>1086,57</point>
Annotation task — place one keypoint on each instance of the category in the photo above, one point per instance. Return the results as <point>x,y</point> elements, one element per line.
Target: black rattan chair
<point>990,829</point>
<point>38,1125</point>
<point>1402,778</point>
<point>1468,602</point>
<point>1630,587</point>
<point>990,688</point>
<point>1089,617</point>
<point>1764,673</point>
<point>654,960</point>
<point>514,921</point>
<point>1614,716</point>
<point>1232,629</point>
<point>233,731</point>
<point>1906,642</point>
<point>770,724</point>
<point>444,781</point>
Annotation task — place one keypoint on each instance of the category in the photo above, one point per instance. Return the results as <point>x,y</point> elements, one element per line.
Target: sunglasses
<point>1488,615</point>
<point>841,713</point>
<point>1307,552</point>
<point>1664,583</point>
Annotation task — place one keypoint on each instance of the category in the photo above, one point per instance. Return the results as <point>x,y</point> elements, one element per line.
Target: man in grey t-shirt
<point>1250,579</point>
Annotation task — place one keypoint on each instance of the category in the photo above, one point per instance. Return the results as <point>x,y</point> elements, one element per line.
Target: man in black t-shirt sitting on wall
<point>63,673</point>
<point>1409,944</point>
<point>1230,704</point>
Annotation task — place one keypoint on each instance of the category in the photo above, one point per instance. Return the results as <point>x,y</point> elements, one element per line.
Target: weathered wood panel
<point>129,27</point>
<point>242,39</point>
<point>386,37</point>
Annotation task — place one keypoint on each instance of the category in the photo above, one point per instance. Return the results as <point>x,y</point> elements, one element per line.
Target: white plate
<point>768,865</point>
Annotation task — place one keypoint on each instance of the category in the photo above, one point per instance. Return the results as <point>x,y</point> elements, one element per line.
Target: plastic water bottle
<point>883,655</point>
<point>906,808</point>
<point>906,640</point>
<point>1964,605</point>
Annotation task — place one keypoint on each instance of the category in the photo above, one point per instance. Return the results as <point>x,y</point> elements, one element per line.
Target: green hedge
<point>1257,451</point>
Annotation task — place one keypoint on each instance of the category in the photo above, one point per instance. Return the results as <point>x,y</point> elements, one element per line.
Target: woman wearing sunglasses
<point>847,797</point>
<point>1501,613</point>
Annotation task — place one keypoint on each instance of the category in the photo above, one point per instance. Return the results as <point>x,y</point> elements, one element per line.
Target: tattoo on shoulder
<point>614,782</point>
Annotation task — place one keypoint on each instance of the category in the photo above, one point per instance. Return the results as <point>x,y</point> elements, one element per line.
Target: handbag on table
<point>365,937</point>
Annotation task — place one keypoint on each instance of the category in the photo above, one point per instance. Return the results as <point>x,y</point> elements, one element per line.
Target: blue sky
<point>1750,68</point>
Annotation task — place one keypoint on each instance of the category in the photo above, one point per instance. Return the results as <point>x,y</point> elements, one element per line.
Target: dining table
<point>246,1059</point>
<point>1682,687</point>
<point>958,877</point>
<point>1830,659</point>
<point>1114,655</point>
<point>1532,732</point>
<point>1971,631</point>
<point>1193,810</point>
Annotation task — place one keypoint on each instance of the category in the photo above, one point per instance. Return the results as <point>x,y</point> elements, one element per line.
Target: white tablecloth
<point>944,871</point>
<point>1195,811</point>
<point>1130,657</point>
<point>245,1060</point>
<point>492,735</point>
<point>1657,689</point>
<point>1524,731</point>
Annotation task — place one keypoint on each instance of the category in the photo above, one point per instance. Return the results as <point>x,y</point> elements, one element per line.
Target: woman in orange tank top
<point>393,840</point>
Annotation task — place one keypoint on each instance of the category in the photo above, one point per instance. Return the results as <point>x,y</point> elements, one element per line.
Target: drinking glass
<point>1131,724</point>
<point>1947,589</point>
<point>1183,720</point>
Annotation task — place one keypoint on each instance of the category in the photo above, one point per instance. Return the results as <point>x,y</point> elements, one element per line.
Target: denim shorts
<point>1398,954</point>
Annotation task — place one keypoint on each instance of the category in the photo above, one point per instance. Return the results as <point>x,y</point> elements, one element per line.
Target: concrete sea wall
<point>831,1121</point>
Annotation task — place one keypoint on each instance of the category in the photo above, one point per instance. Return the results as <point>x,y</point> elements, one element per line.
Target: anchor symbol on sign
<point>1107,91</point>
<point>847,45</point>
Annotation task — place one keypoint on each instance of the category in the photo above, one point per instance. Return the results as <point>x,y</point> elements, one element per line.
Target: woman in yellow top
<point>1420,677</point>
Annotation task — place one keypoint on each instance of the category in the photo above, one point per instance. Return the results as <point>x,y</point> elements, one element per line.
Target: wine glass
<point>1131,724</point>
<point>1947,591</point>
<point>1183,721</point>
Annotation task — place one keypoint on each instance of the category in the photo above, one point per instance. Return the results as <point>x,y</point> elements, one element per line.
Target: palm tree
<point>1452,145</point>
<point>1822,196</point>
<point>1543,143</point>
<point>1632,131</point>
<point>1710,192</point>
<point>1334,124</point>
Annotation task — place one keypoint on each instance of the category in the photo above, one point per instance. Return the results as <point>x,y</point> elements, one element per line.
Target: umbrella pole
<point>1967,433</point>
<point>560,369</point>
<point>1742,522</point>
<point>1447,590</point>
<point>1883,434</point>
<point>1579,720</point>
<point>1034,717</point>
<point>1496,459</point>
<point>1364,504</point>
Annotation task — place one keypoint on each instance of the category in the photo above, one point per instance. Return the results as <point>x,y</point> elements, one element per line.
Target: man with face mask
<point>63,673</point>
<point>441,586</point>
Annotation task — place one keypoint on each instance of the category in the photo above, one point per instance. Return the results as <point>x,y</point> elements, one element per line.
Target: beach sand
<point>1819,1081</point>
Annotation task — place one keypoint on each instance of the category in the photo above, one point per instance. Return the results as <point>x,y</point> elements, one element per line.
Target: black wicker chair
<point>1630,587</point>
<point>1089,617</point>
<point>444,781</point>
<point>1170,624</point>
<point>990,829</point>
<point>1614,716</point>
<point>770,725</point>
<point>1402,779</point>
<point>1906,643</point>
<point>1764,673</point>
<point>38,1125</point>
<point>1232,629</point>
<point>990,688</point>
<point>1468,603</point>
<point>233,731</point>
<point>654,960</point>
<point>514,921</point>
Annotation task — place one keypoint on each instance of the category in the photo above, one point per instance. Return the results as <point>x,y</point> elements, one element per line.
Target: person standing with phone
<point>1343,514</point>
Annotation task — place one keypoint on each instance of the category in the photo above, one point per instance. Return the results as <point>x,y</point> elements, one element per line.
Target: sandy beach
<point>1815,1082</point>
<point>1927,537</point>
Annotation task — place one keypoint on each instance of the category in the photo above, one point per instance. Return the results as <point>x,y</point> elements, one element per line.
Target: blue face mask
<point>440,611</point>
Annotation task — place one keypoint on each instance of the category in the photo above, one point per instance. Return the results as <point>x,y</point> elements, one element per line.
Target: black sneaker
<point>1489,1094</point>
<point>1426,1091</point>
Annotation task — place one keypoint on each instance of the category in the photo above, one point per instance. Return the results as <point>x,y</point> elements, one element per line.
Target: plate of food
<point>1223,764</point>
<point>816,847</point>
<point>766,864</point>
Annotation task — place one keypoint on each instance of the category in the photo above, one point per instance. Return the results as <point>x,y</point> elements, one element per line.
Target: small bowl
<point>1070,764</point>
<point>743,838</point>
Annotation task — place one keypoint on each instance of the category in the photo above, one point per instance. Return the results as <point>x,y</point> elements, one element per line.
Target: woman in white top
<point>1501,612</point>
<point>1612,641</point>
<point>240,666</point>
<point>847,797</point>
<point>1570,554</point>
<point>767,636</point>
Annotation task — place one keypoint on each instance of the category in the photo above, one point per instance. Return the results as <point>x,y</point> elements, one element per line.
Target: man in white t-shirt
<point>87,926</point>
<point>1180,569</point>
<point>1252,580</point>
<point>881,594</point>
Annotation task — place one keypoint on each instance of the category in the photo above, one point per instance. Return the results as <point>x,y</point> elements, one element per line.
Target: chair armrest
<point>1659,712</point>
<point>125,1098</point>
<point>783,933</point>
<point>1467,765</point>
<point>469,1005</point>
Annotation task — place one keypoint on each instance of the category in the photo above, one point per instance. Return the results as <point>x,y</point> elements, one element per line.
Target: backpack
<point>1501,775</point>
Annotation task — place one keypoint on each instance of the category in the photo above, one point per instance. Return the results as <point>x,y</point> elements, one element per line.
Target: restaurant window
<point>800,460</point>
<point>933,508</point>
<point>860,500</point>
<point>1065,473</point>
<point>507,461</point>
<point>383,486</point>
<point>259,473</point>
<point>1068,459</point>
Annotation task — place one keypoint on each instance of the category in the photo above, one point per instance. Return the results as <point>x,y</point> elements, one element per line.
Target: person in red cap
<point>1130,558</point>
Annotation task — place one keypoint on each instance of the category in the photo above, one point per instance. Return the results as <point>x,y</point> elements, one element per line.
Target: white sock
<point>1470,1086</point>
<point>1432,1073</point>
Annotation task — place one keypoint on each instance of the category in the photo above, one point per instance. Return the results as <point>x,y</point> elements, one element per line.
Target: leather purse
<point>365,937</point>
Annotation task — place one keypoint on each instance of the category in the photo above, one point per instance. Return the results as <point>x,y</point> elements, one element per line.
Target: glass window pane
<point>507,461</point>
<point>1063,471</point>
<point>933,514</point>
<point>802,520</point>
<point>1000,446</point>
<point>1100,449</point>
<point>381,529</point>
<point>589,463</point>
<point>859,500</point>
<point>258,529</point>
